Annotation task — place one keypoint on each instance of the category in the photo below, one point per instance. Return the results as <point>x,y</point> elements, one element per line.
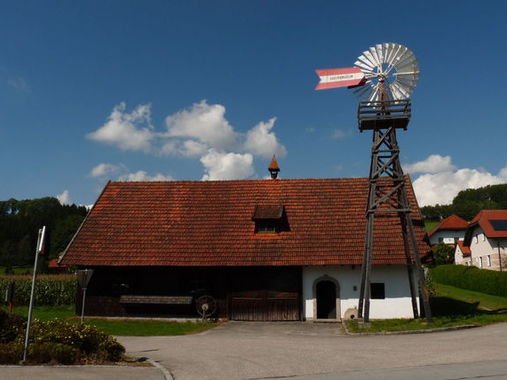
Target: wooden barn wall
<point>242,293</point>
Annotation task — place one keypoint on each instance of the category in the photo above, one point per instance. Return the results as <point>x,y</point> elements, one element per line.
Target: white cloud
<point>203,122</point>
<point>262,142</point>
<point>227,166</point>
<point>141,175</point>
<point>441,188</point>
<point>64,198</point>
<point>128,131</point>
<point>435,163</point>
<point>201,131</point>
<point>339,134</point>
<point>20,84</point>
<point>105,169</point>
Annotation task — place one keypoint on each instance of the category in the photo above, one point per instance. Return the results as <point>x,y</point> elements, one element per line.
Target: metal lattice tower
<point>384,76</point>
<point>387,196</point>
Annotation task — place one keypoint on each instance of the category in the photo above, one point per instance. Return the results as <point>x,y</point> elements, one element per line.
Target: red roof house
<point>448,231</point>
<point>485,240</point>
<point>258,246</point>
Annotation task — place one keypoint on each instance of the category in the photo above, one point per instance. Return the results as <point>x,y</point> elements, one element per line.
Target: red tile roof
<point>464,249</point>
<point>209,223</point>
<point>451,223</point>
<point>484,218</point>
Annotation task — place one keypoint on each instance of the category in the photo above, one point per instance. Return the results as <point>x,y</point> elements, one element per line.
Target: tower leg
<point>364,294</point>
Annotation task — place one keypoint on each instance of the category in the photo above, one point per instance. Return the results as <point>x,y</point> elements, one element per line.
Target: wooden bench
<point>167,300</point>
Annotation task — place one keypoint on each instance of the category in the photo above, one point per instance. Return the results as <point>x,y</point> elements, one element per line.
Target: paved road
<point>242,350</point>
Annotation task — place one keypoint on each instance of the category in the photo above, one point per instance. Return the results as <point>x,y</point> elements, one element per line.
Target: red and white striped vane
<point>347,77</point>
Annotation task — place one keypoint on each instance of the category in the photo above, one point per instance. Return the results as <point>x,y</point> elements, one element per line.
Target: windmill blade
<point>366,62</point>
<point>370,56</point>
<point>360,92</point>
<point>363,67</point>
<point>367,58</point>
<point>401,89</point>
<point>374,54</point>
<point>380,52</point>
<point>390,51</point>
<point>406,60</point>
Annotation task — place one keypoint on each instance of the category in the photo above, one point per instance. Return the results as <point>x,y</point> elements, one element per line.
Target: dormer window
<point>268,218</point>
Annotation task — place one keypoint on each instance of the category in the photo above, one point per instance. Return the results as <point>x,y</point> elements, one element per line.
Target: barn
<point>265,250</point>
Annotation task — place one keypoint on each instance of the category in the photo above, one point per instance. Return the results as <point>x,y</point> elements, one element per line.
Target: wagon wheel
<point>206,306</point>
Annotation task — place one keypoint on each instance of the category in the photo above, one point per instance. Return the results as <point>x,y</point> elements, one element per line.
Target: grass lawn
<point>450,307</point>
<point>429,225</point>
<point>18,270</point>
<point>117,327</point>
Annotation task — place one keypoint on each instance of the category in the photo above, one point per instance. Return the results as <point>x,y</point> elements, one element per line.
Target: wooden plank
<point>170,300</point>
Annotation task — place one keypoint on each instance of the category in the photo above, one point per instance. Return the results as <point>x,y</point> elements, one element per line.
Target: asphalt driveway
<point>249,350</point>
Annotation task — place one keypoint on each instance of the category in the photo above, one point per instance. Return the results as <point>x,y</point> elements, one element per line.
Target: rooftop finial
<point>273,168</point>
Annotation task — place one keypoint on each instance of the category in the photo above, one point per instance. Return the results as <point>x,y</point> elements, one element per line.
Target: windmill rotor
<point>391,72</point>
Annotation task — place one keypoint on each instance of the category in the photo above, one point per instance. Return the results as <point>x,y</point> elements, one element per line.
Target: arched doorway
<point>325,294</point>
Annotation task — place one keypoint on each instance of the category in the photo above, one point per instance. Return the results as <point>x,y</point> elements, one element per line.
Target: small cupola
<point>273,168</point>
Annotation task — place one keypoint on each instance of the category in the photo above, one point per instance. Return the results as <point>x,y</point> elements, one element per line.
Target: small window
<point>269,218</point>
<point>480,261</point>
<point>488,260</point>
<point>378,291</point>
<point>266,225</point>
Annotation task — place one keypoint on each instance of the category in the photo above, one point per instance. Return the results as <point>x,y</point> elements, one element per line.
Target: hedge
<point>50,290</point>
<point>471,278</point>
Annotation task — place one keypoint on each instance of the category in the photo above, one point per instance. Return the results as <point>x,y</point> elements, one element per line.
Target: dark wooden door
<point>265,295</point>
<point>264,306</point>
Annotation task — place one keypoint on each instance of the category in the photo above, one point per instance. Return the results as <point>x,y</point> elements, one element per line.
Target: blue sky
<point>86,89</point>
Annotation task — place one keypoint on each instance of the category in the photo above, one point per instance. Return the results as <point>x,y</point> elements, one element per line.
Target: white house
<point>485,241</point>
<point>449,231</point>
<point>265,250</point>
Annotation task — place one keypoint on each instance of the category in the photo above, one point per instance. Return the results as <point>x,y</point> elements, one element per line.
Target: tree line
<point>20,221</point>
<point>469,202</point>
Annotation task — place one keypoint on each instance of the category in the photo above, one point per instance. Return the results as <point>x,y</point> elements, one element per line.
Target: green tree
<point>443,254</point>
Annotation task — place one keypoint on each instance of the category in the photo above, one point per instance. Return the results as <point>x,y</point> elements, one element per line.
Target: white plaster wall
<point>397,303</point>
<point>448,236</point>
<point>458,256</point>
<point>482,246</point>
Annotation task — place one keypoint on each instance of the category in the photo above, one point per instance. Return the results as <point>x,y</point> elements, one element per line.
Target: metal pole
<point>30,308</point>
<point>83,305</point>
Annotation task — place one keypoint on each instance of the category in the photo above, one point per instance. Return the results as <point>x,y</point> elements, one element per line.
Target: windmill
<point>383,78</point>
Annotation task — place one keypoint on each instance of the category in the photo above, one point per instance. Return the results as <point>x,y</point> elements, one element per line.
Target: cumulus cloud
<point>64,198</point>
<point>438,185</point>
<point>339,134</point>
<point>262,142</point>
<point>200,131</point>
<point>128,131</point>
<point>19,84</point>
<point>435,163</point>
<point>141,175</point>
<point>105,169</point>
<point>203,122</point>
<point>224,166</point>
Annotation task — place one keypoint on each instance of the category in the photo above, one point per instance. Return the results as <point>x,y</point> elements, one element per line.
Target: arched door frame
<point>338,300</point>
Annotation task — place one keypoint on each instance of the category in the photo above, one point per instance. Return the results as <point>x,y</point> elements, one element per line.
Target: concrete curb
<point>405,332</point>
<point>168,375</point>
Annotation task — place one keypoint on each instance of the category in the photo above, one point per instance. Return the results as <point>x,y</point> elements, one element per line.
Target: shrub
<point>443,254</point>
<point>50,290</point>
<point>56,341</point>
<point>10,326</point>
<point>52,352</point>
<point>10,353</point>
<point>86,339</point>
<point>471,278</point>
